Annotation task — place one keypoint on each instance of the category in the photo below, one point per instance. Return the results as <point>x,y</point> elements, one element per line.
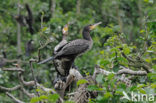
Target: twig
<point>138,62</point>
<point>32,71</point>
<point>15,99</point>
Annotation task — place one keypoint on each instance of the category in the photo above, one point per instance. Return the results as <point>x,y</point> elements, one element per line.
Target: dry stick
<point>15,99</point>
<point>32,71</point>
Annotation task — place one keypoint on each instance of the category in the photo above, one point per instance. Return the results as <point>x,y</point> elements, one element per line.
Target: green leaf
<point>153,85</point>
<point>34,100</point>
<point>43,97</point>
<point>99,78</point>
<point>152,76</point>
<point>94,87</point>
<point>154,67</point>
<point>108,95</point>
<point>69,102</point>
<point>110,76</point>
<point>82,81</point>
<point>53,97</point>
<point>103,62</point>
<point>141,90</point>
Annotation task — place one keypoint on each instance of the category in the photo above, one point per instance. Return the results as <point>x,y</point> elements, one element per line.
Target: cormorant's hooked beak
<point>94,25</point>
<point>65,28</point>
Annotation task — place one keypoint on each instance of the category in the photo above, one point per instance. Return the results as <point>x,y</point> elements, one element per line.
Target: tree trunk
<point>18,35</point>
<point>52,8</point>
<point>78,5</point>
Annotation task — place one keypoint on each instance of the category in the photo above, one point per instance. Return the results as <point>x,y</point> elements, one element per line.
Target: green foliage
<point>81,81</point>
<point>51,98</point>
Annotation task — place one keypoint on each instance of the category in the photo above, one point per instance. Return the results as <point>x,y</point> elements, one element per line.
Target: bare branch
<point>33,75</point>
<point>76,74</point>
<point>98,70</point>
<point>124,79</point>
<point>10,89</point>
<point>29,83</point>
<point>129,71</point>
<point>12,69</point>
<point>27,93</point>
<point>15,99</point>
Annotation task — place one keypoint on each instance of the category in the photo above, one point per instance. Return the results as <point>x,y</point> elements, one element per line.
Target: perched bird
<point>2,62</point>
<point>64,39</point>
<point>26,20</point>
<point>74,48</point>
<point>3,58</point>
<point>29,19</point>
<point>29,48</point>
<point>21,20</point>
<point>63,64</point>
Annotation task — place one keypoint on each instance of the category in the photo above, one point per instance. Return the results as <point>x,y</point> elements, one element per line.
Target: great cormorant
<point>60,64</point>
<point>71,50</point>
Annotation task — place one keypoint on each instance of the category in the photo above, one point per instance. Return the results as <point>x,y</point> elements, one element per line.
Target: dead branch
<point>61,86</point>
<point>12,69</point>
<point>30,95</point>
<point>10,89</point>
<point>14,98</point>
<point>129,71</point>
<point>98,70</point>
<point>124,79</point>
<point>13,60</point>
<point>33,75</point>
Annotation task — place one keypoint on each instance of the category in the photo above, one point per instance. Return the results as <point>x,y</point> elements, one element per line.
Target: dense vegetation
<point>125,39</point>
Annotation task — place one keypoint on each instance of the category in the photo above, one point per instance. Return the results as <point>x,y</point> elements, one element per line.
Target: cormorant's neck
<point>86,35</point>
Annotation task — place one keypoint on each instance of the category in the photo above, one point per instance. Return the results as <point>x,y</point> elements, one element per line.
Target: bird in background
<point>76,47</point>
<point>64,39</point>
<point>26,20</point>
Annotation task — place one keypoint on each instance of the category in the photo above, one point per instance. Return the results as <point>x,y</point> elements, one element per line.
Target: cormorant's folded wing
<point>75,47</point>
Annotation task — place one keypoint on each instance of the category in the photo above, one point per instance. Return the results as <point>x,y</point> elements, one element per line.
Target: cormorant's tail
<point>46,60</point>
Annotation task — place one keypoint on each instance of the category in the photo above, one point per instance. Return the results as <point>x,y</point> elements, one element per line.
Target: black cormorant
<point>71,50</point>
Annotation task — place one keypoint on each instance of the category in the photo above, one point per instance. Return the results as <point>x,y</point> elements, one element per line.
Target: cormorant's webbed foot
<point>59,82</point>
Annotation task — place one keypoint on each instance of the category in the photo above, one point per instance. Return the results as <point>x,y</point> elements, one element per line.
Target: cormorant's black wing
<point>74,47</point>
<point>60,46</point>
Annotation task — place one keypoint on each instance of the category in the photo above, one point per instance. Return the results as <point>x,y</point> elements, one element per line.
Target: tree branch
<point>13,98</point>
<point>12,69</point>
<point>128,71</point>
<point>10,89</point>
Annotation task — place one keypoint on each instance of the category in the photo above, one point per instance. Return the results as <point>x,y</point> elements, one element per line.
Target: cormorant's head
<point>65,29</point>
<point>91,26</point>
